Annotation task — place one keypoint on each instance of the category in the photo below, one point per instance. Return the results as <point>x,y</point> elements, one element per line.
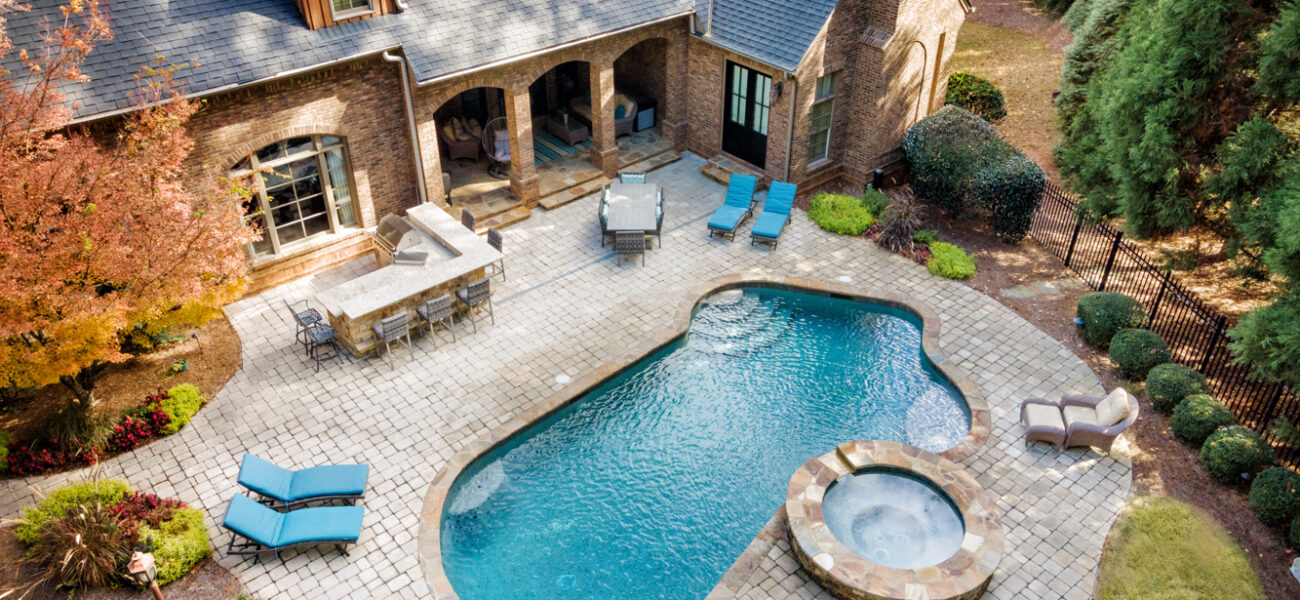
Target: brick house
<point>354,109</point>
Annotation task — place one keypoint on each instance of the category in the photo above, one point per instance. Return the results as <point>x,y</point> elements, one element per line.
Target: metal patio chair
<point>305,317</point>
<point>438,311</point>
<point>494,240</point>
<point>475,295</point>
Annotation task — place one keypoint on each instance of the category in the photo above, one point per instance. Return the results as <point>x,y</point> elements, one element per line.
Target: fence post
<point>1155,306</point>
<point>1219,323</point>
<point>1074,237</point>
<point>1110,260</point>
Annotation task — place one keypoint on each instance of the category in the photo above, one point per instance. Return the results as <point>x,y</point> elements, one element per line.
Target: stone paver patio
<point>560,312</point>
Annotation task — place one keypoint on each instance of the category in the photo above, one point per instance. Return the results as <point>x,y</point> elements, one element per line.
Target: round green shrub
<point>839,213</point>
<point>977,95</point>
<point>1136,351</point>
<point>179,543</point>
<point>925,236</point>
<point>944,151</point>
<point>4,450</point>
<point>181,404</point>
<point>1294,536</point>
<point>876,202</point>
<point>1010,188</point>
<point>1231,451</point>
<point>105,491</point>
<point>1169,383</point>
<point>1197,416</point>
<point>1105,313</point>
<point>1275,495</point>
<point>947,260</point>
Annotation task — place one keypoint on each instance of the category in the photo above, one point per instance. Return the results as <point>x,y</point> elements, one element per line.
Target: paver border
<point>429,548</point>
<point>963,576</point>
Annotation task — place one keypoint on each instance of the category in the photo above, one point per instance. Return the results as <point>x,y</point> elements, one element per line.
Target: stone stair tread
<point>502,220</point>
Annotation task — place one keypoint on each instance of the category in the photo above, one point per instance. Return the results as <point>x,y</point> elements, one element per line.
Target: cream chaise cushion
<point>1039,415</point>
<point>1079,414</point>
<point>1113,408</point>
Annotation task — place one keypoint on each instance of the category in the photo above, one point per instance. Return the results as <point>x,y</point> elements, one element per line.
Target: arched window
<point>303,189</point>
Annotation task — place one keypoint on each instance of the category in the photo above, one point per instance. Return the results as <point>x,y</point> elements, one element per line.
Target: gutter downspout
<point>789,136</point>
<point>410,121</point>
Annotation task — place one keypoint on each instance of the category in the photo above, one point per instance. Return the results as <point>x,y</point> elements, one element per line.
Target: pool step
<point>738,327</point>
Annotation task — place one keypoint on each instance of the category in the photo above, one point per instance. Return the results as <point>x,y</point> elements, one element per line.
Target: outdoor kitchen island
<point>437,256</point>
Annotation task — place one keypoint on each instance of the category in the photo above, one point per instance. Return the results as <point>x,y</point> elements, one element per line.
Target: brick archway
<point>247,147</point>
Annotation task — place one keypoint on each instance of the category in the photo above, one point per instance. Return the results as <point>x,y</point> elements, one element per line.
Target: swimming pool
<point>652,483</point>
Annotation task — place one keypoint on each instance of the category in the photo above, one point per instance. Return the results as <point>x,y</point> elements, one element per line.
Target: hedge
<point>977,95</point>
<point>947,260</point>
<point>1169,383</point>
<point>1294,537</point>
<point>840,213</point>
<point>1231,451</point>
<point>959,163</point>
<point>1275,496</point>
<point>1105,313</point>
<point>1198,416</point>
<point>1136,351</point>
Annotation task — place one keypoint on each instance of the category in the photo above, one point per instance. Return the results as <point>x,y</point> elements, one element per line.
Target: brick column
<point>604,150</point>
<point>431,154</point>
<point>672,118</point>
<point>523,174</point>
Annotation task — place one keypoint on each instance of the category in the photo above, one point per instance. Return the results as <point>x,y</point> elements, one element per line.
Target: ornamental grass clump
<point>1275,496</point>
<point>1232,452</point>
<point>1198,416</point>
<point>83,546</point>
<point>947,260</point>
<point>1136,351</point>
<point>1104,314</point>
<point>902,218</point>
<point>1169,383</point>
<point>840,213</point>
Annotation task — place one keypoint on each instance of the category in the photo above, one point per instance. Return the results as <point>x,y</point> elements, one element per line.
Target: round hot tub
<point>882,520</point>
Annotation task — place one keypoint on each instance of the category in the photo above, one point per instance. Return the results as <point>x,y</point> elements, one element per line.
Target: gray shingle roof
<point>777,32</point>
<point>235,42</point>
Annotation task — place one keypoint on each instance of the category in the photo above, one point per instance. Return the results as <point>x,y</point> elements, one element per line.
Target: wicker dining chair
<point>392,329</point>
<point>631,177</point>
<point>476,295</point>
<point>494,240</point>
<point>629,243</point>
<point>438,311</point>
<point>467,219</point>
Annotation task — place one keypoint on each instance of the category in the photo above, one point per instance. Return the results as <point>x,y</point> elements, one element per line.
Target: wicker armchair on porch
<point>461,142</point>
<point>475,295</point>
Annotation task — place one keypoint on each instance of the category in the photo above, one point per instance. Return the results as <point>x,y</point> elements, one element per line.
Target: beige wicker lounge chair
<point>1079,420</point>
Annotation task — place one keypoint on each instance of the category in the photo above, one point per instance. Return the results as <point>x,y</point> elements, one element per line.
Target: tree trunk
<point>82,385</point>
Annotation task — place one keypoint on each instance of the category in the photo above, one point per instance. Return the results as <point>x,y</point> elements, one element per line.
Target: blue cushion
<point>252,520</point>
<point>322,523</point>
<point>727,217</point>
<point>769,225</point>
<point>329,480</point>
<point>264,477</point>
<point>780,198</point>
<point>740,191</point>
<point>620,111</point>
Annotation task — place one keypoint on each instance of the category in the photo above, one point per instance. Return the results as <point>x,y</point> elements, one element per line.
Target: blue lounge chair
<point>280,486</point>
<point>775,215</point>
<point>738,205</point>
<point>264,529</point>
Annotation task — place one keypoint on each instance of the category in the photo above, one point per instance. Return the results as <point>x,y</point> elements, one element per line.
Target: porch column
<point>604,150</point>
<point>434,191</point>
<point>672,118</point>
<point>523,174</point>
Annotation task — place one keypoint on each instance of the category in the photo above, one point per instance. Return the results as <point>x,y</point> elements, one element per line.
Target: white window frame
<point>820,99</point>
<point>254,168</point>
<point>355,11</point>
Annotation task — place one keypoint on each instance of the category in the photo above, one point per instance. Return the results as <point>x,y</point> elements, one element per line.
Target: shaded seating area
<point>775,216</point>
<point>624,112</point>
<point>256,528</point>
<point>288,489</point>
<point>736,206</point>
<point>461,137</point>
<point>1079,420</point>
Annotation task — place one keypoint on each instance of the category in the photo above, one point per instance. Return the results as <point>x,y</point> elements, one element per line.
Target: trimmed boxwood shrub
<point>1275,496</point>
<point>1010,189</point>
<point>1231,451</point>
<point>107,492</point>
<point>1136,351</point>
<point>840,213</point>
<point>947,260</point>
<point>977,95</point>
<point>1197,416</point>
<point>179,543</point>
<point>1105,313</point>
<point>1169,383</point>
<point>181,404</point>
<point>876,202</point>
<point>1294,536</point>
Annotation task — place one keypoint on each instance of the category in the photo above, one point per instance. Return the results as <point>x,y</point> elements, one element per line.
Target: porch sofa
<point>461,137</point>
<point>622,126</point>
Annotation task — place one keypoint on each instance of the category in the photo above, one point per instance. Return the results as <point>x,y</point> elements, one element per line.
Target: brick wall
<point>642,69</point>
<point>360,101</point>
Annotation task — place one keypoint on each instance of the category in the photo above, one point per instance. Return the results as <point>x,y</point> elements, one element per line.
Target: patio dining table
<point>632,207</point>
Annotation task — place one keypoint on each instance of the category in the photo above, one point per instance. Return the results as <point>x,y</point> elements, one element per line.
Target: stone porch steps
<point>561,198</point>
<point>502,220</point>
<point>720,169</point>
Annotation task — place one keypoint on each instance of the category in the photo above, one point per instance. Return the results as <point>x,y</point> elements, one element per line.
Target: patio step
<point>563,197</point>
<point>502,220</point>
<point>721,168</point>
<point>651,163</point>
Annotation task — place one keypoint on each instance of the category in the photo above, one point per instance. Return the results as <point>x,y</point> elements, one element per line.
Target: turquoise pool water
<point>653,483</point>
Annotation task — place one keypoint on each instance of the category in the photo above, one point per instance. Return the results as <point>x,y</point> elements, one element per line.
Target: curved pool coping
<point>428,541</point>
<point>963,576</point>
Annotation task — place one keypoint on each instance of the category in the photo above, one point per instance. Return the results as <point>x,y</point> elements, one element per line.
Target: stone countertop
<point>454,251</point>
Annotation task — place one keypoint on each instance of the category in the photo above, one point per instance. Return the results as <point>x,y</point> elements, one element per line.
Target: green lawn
<point>1164,549</point>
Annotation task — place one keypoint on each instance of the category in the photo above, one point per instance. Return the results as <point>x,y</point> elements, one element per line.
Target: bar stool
<point>494,240</point>
<point>438,311</point>
<point>305,317</point>
<point>474,295</point>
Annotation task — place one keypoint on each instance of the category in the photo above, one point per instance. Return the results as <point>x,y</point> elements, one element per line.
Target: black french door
<point>747,104</point>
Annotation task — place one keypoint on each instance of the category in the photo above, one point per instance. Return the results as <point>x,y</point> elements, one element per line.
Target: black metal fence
<point>1195,332</point>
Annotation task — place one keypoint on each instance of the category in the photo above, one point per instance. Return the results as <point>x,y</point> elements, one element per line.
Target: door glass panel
<point>339,183</point>
<point>739,93</point>
<point>762,102</point>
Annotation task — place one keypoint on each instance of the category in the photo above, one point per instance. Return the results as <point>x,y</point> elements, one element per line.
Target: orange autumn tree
<point>104,242</point>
